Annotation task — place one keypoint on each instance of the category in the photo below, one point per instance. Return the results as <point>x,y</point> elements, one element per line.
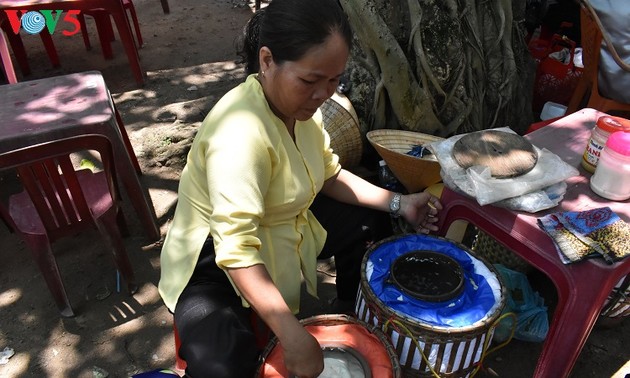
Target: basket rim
<point>377,139</point>
<point>478,327</point>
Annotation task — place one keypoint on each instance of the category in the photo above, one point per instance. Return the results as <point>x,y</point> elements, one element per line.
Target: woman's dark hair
<point>291,27</point>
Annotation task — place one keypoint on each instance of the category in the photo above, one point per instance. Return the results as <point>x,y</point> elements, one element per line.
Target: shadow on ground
<point>190,60</point>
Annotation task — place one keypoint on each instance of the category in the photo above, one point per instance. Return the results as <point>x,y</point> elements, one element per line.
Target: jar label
<point>592,152</point>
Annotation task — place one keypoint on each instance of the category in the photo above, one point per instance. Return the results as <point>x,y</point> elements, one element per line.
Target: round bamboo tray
<point>413,172</point>
<point>342,124</point>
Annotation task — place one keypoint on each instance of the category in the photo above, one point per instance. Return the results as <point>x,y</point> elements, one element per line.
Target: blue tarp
<point>472,305</point>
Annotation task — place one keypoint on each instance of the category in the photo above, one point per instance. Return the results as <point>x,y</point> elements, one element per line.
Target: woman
<point>252,184</point>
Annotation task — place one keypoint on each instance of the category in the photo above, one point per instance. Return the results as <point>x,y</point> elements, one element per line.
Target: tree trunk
<point>440,67</point>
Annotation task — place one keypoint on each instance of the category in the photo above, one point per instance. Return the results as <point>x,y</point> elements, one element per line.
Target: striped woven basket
<point>413,172</point>
<point>342,124</point>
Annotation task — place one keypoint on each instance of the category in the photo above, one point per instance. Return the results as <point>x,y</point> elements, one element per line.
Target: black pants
<point>217,339</point>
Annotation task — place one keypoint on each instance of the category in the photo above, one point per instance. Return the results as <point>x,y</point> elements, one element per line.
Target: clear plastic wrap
<point>533,191</point>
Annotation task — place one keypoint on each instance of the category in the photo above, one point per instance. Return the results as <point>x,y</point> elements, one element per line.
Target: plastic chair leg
<point>5,58</point>
<point>127,142</point>
<point>19,51</point>
<point>105,33</point>
<point>108,228</point>
<point>43,255</point>
<point>165,7</point>
<point>84,32</point>
<point>122,223</point>
<point>49,45</point>
<point>136,25</point>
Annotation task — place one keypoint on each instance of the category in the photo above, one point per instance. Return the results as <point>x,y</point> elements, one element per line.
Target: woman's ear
<point>265,59</point>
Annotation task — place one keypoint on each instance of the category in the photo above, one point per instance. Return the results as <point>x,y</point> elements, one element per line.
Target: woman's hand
<point>420,211</point>
<point>303,355</point>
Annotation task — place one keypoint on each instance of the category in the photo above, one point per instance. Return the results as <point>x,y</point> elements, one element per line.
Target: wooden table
<point>582,287</point>
<point>38,111</point>
<point>114,7</point>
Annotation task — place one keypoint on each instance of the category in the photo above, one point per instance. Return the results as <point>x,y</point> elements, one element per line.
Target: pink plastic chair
<point>5,59</point>
<point>59,202</point>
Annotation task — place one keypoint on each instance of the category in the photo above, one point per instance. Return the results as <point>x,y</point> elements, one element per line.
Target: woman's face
<point>295,89</point>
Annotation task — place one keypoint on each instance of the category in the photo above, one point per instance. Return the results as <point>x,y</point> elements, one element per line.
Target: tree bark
<point>440,67</point>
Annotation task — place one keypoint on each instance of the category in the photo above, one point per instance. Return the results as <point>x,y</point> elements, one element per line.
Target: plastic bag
<point>478,182</point>
<point>532,322</point>
<point>558,73</point>
<point>536,201</point>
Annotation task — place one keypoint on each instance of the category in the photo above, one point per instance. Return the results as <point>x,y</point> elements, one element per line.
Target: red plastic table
<point>114,7</point>
<point>38,111</point>
<point>582,287</point>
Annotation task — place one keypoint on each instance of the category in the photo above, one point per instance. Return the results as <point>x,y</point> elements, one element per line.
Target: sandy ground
<point>189,58</point>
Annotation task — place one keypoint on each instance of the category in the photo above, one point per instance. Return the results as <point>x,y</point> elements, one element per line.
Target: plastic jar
<point>603,128</point>
<point>612,176</point>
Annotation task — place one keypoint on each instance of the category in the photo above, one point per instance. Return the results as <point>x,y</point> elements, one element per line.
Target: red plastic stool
<point>179,363</point>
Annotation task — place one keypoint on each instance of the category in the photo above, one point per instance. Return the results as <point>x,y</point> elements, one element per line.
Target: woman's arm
<point>302,354</point>
<point>419,209</point>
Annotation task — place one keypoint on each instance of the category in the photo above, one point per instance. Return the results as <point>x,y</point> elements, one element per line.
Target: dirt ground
<point>189,58</point>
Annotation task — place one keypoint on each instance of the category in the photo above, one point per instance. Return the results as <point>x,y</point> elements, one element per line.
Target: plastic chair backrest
<point>48,175</point>
<point>591,37</point>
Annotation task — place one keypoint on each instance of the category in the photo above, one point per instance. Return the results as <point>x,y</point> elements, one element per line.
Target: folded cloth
<point>578,235</point>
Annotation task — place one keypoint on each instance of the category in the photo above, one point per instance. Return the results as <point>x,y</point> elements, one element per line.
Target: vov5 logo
<point>34,22</point>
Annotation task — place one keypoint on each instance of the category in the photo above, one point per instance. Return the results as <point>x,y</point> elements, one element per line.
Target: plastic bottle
<point>612,176</point>
<point>387,179</point>
<point>603,128</point>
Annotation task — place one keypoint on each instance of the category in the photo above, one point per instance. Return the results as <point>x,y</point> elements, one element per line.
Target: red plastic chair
<point>58,202</point>
<point>114,7</point>
<point>15,40</point>
<point>105,30</point>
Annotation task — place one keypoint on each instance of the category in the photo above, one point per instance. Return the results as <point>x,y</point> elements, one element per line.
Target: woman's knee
<point>242,365</point>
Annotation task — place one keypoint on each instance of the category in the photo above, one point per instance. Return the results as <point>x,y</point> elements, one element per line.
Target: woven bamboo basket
<point>488,248</point>
<point>413,172</point>
<point>342,124</point>
<point>450,352</point>
<point>339,330</point>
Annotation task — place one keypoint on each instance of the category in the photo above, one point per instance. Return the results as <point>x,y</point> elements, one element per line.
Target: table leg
<point>140,200</point>
<point>124,30</point>
<point>573,320</point>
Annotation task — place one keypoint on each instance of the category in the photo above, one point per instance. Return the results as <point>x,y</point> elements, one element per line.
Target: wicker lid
<point>415,173</point>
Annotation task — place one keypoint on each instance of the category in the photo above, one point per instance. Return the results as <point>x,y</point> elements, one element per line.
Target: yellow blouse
<point>249,185</point>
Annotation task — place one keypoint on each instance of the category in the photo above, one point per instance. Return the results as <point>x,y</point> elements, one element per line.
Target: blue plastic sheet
<point>472,305</point>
